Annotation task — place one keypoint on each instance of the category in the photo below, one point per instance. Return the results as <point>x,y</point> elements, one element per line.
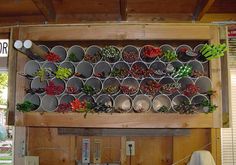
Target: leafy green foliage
<point>73,58</point>
<point>26,106</point>
<point>41,73</point>
<point>63,73</point>
<point>207,104</point>
<point>169,56</point>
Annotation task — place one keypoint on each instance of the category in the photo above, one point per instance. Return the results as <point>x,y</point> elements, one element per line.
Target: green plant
<point>88,89</point>
<point>208,106</point>
<point>26,106</point>
<point>169,56</point>
<point>73,57</point>
<point>163,109</point>
<point>63,73</point>
<point>110,52</point>
<point>41,73</point>
<point>213,51</point>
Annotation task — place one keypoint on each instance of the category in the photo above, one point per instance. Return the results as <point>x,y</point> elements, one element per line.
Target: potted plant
<point>169,56</point>
<point>111,54</point>
<point>88,89</point>
<point>130,56</point>
<point>63,73</point>
<point>52,89</point>
<point>150,87</point>
<point>63,107</point>
<point>182,72</point>
<point>190,90</point>
<point>149,53</point>
<point>170,88</point>
<point>26,106</point>
<point>72,57</point>
<point>51,56</point>
<point>213,51</point>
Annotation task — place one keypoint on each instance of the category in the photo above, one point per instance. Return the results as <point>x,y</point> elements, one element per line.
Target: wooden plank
<point>12,62</point>
<point>201,9</point>
<point>215,75</point>
<point>128,120</point>
<point>118,32</point>
<point>51,148</point>
<point>123,10</point>
<point>122,132</point>
<point>183,146</point>
<point>5,30</point>
<point>214,17</point>
<point>216,145</point>
<point>12,20</point>
<point>47,9</point>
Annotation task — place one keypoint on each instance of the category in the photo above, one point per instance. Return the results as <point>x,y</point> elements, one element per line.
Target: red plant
<point>127,89</point>
<point>130,56</point>
<point>72,90</point>
<point>64,107</point>
<point>191,89</point>
<point>78,105</point>
<point>53,89</point>
<point>151,52</point>
<point>150,87</point>
<point>138,71</point>
<point>53,57</point>
<point>183,50</point>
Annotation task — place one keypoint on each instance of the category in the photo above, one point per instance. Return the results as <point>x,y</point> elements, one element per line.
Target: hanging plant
<point>88,89</point>
<point>72,57</point>
<point>191,89</point>
<point>130,56</point>
<point>111,89</point>
<point>185,108</point>
<point>72,90</point>
<point>26,106</point>
<point>122,72</point>
<point>53,89</point>
<point>53,57</point>
<point>93,58</point>
<point>213,51</point>
<point>182,72</point>
<point>151,87</point>
<point>128,89</point>
<point>111,53</point>
<point>151,52</point>
<point>41,73</point>
<point>207,106</point>
<point>63,73</point>
<point>138,71</point>
<point>64,107</point>
<point>169,56</point>
<point>170,88</point>
<point>163,109</point>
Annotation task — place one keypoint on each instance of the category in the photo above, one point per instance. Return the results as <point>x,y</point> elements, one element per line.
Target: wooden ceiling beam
<point>123,10</point>
<point>46,8</point>
<point>202,8</point>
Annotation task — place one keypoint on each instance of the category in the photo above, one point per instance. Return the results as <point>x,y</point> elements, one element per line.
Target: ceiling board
<point>161,6</point>
<point>86,6</point>
<point>223,6</point>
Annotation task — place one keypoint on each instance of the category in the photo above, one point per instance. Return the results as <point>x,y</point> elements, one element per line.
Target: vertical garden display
<point>160,79</point>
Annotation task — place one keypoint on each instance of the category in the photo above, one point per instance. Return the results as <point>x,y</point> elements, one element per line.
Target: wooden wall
<point>54,149</point>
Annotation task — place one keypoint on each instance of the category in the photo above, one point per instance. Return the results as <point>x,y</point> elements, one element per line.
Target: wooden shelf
<point>125,120</point>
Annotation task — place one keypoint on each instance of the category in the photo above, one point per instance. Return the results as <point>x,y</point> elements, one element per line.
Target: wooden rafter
<point>46,8</point>
<point>202,7</point>
<point>123,10</point>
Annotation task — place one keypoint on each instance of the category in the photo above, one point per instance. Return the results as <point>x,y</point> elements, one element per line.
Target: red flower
<point>53,57</point>
<point>77,105</point>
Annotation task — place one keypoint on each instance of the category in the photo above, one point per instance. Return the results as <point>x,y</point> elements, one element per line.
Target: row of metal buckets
<point>80,52</point>
<point>88,70</point>
<point>203,83</point>
<point>121,103</point>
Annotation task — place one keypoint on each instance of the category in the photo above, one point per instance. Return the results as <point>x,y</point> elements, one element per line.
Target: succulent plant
<point>63,73</point>
<point>169,56</point>
<point>110,53</point>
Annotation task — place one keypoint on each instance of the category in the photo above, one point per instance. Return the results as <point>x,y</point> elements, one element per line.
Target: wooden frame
<point>114,31</point>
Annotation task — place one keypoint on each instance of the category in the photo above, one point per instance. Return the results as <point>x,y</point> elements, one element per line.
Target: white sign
<point>3,47</point>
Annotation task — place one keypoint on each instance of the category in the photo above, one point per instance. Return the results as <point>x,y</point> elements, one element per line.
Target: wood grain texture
<point>216,145</point>
<point>123,10</point>
<point>115,120</point>
<point>113,31</point>
<point>183,146</point>
<point>202,8</point>
<point>46,8</point>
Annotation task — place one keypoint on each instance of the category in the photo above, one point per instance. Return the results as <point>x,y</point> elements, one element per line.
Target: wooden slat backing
<point>128,120</point>
<point>118,32</point>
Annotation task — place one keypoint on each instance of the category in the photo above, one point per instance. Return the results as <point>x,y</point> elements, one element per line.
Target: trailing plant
<point>151,52</point>
<point>26,106</point>
<point>111,89</point>
<point>169,56</point>
<point>130,56</point>
<point>52,89</point>
<point>110,53</point>
<point>128,89</point>
<point>182,72</point>
<point>122,72</point>
<point>150,87</point>
<point>41,73</point>
<point>170,88</point>
<point>63,73</point>
<point>213,51</point>
<point>53,57</point>
<point>191,89</point>
<point>88,89</point>
<point>72,57</point>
